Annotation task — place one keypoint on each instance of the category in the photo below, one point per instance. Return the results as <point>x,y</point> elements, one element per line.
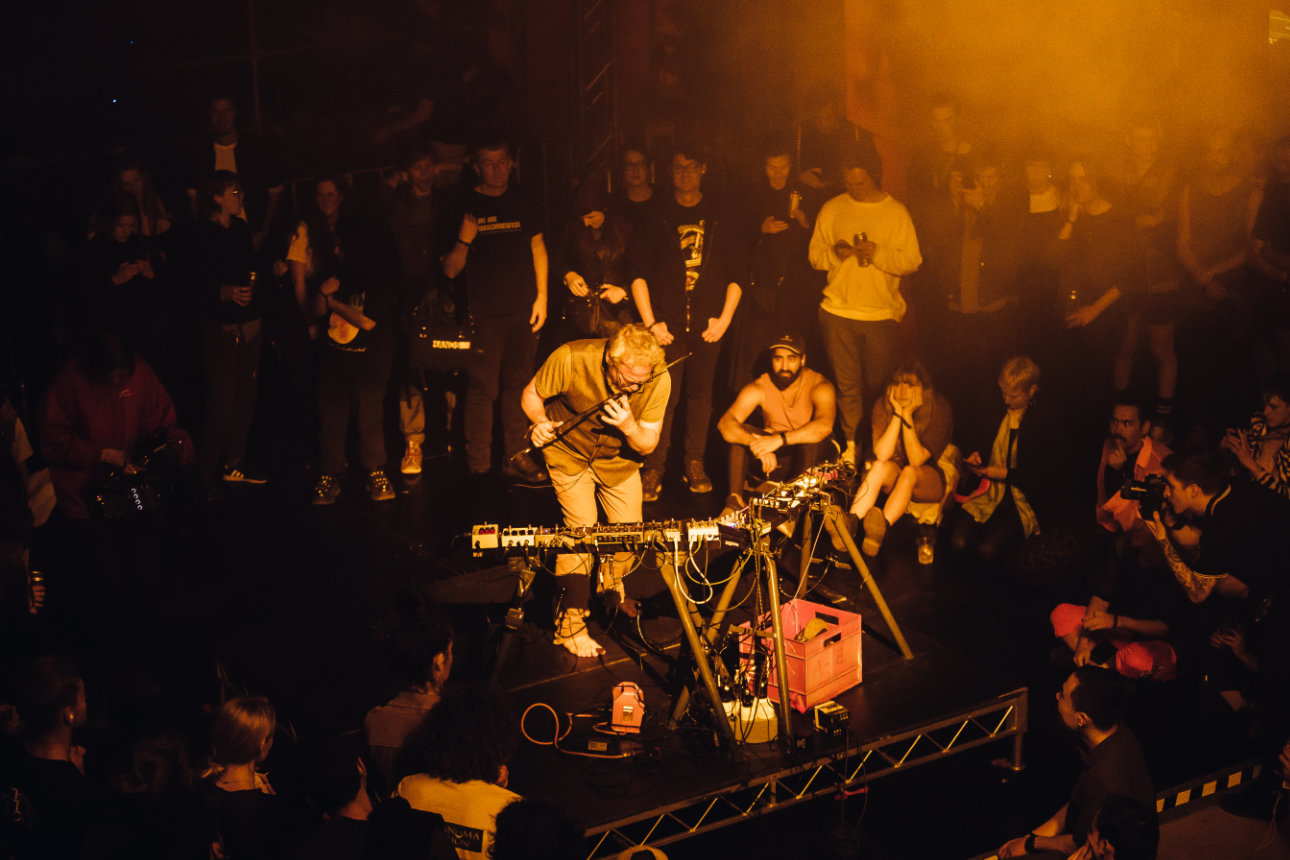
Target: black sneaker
<point>697,478</point>
<point>234,475</point>
<point>379,487</point>
<point>524,471</point>
<point>651,484</point>
<point>325,491</point>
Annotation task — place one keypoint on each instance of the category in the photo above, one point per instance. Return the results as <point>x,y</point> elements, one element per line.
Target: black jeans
<point>232,362</point>
<point>501,367</point>
<point>351,383</point>
<point>791,461</point>
<point>695,375</point>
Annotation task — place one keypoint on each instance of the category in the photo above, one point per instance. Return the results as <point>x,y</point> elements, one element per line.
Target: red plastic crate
<point>817,670</point>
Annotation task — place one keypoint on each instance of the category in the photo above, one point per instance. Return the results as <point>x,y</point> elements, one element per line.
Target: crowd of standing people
<point>807,293</point>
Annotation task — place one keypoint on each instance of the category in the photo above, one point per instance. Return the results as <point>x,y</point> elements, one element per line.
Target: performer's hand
<point>843,249</point>
<point>865,251</point>
<point>715,330</point>
<point>768,462</point>
<point>618,414</point>
<point>575,283</point>
<point>612,294</point>
<point>537,318</point>
<point>661,334</point>
<point>543,432</point>
<point>773,225</point>
<point>763,445</point>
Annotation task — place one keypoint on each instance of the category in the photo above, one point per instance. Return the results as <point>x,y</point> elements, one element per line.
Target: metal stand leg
<point>777,625</point>
<point>713,631</point>
<point>701,634</point>
<point>833,520</point>
<point>671,576</point>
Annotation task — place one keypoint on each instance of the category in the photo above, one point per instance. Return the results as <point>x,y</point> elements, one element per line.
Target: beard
<point>783,379</point>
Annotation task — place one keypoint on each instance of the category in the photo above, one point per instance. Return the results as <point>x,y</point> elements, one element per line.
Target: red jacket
<point>81,418</point>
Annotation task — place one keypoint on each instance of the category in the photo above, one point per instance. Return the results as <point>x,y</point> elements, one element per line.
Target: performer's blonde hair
<point>636,345</point>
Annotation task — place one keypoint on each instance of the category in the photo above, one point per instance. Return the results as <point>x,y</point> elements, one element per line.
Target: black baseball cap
<point>789,341</point>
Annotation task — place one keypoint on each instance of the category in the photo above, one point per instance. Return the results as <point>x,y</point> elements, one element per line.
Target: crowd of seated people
<point>1043,274</point>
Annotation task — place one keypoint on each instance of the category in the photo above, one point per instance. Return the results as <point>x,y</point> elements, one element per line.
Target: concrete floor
<point>1203,831</point>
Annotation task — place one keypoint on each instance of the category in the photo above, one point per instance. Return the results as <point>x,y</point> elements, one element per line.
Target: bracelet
<point>783,437</point>
<point>650,327</point>
<point>1029,845</point>
<point>463,243</point>
<point>904,422</point>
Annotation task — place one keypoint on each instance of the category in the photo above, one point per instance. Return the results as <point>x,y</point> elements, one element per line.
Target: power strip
<point>753,724</point>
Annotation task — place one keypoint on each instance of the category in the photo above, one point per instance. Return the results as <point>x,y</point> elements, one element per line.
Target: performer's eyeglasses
<point>622,382</point>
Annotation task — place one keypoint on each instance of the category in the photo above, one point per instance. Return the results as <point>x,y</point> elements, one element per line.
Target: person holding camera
<point>1130,456</point>
<point>1219,536</point>
<point>1126,624</point>
<point>1228,550</point>
<point>98,408</point>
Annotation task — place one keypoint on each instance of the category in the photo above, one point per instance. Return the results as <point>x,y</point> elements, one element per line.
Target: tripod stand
<point>704,636</point>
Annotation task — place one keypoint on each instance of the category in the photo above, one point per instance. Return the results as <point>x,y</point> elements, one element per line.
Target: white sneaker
<point>849,454</point>
<point>411,464</point>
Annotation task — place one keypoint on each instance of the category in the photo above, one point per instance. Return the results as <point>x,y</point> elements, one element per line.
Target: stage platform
<point>285,595</point>
<point>673,784</point>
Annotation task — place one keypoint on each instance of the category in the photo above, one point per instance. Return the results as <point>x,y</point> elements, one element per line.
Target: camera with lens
<point>1149,493</point>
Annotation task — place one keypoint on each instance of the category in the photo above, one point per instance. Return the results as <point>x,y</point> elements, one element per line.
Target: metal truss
<point>843,769</point>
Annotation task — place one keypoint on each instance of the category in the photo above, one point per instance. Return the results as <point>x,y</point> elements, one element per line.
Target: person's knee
<point>879,470</point>
<point>1152,659</point>
<point>1066,618</point>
